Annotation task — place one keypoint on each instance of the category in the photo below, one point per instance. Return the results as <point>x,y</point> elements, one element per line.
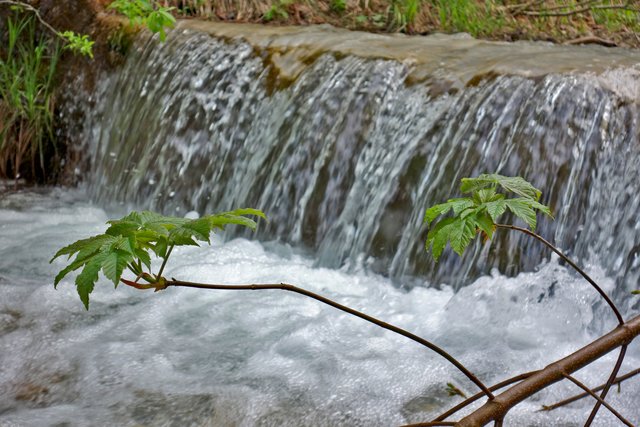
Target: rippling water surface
<point>207,358</point>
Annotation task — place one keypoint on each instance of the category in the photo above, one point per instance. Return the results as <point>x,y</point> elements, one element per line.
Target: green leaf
<point>522,209</point>
<point>435,211</point>
<point>90,245</point>
<point>246,211</point>
<point>144,257</point>
<point>457,205</point>
<point>161,247</point>
<point>462,231</point>
<point>128,242</point>
<point>438,237</point>
<point>636,292</point>
<point>514,184</point>
<point>496,208</point>
<point>486,224</point>
<point>87,279</point>
<point>122,228</point>
<point>76,264</point>
<point>114,263</point>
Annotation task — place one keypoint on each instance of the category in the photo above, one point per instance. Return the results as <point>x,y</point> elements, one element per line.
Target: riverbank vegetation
<point>32,50</point>
<point>27,70</point>
<point>611,23</point>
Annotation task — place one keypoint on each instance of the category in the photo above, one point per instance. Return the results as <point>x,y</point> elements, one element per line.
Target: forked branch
<point>572,399</point>
<point>497,408</point>
<point>599,399</point>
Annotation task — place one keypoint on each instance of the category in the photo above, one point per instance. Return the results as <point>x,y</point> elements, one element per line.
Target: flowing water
<point>205,358</point>
<point>342,139</point>
<point>344,148</point>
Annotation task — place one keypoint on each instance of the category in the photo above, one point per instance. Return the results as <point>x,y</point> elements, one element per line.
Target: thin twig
<point>477,396</point>
<point>607,386</point>
<point>598,398</point>
<point>578,11</point>
<point>380,323</point>
<point>552,373</point>
<point>164,263</point>
<point>571,263</point>
<point>432,423</point>
<point>35,12</point>
<point>572,399</point>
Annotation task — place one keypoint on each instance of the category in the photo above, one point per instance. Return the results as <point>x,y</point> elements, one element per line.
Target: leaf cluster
<point>129,242</point>
<point>78,43</point>
<point>479,213</point>
<point>148,13</point>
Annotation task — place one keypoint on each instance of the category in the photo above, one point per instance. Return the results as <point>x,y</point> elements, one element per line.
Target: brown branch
<point>572,399</point>
<point>432,423</point>
<point>559,7</point>
<point>602,293</point>
<point>497,408</point>
<point>36,12</point>
<point>477,396</point>
<point>591,40</point>
<point>599,399</point>
<point>380,323</point>
<point>607,385</point>
<point>571,263</point>
<point>578,11</point>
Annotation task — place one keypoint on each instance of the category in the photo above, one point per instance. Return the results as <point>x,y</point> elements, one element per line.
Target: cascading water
<point>344,155</point>
<point>342,139</point>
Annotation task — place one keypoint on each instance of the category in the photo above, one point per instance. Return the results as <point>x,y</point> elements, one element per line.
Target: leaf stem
<point>571,263</point>
<point>380,323</point>
<point>164,263</point>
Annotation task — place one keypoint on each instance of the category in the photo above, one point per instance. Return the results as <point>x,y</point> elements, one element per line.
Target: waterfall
<point>345,148</point>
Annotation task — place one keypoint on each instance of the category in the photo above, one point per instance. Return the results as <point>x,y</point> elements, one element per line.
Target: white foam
<point>194,357</point>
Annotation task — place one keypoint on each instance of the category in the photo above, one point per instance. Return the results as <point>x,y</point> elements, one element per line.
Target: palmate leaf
<point>87,279</point>
<point>513,184</point>
<point>457,205</point>
<point>113,264</point>
<point>128,242</point>
<point>479,214</point>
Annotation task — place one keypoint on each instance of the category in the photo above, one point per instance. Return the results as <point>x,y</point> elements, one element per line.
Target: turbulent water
<point>204,358</point>
<point>344,139</point>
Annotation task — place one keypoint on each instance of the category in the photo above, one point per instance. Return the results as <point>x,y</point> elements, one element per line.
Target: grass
<point>27,70</point>
<point>493,19</point>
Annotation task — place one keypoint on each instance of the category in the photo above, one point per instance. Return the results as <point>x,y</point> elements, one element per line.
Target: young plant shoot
<point>479,213</point>
<point>129,243</point>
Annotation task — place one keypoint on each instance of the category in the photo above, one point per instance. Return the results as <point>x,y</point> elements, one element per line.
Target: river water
<point>342,139</point>
<point>215,358</point>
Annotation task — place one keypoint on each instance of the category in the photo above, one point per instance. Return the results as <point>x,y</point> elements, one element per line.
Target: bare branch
<point>432,423</point>
<point>579,11</point>
<point>607,385</point>
<point>380,323</point>
<point>572,399</point>
<point>477,396</point>
<point>497,408</point>
<point>598,398</point>
<point>36,12</point>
